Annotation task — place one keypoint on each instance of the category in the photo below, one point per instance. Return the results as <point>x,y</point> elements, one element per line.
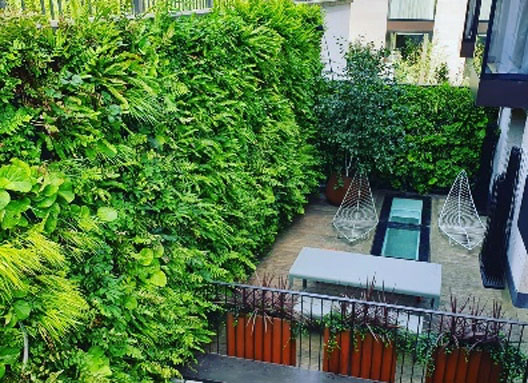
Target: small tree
<point>356,114</point>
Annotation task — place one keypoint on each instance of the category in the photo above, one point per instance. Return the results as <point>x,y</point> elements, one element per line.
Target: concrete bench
<point>400,276</point>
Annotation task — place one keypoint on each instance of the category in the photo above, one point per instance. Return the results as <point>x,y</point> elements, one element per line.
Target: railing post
<point>52,10</point>
<point>139,6</point>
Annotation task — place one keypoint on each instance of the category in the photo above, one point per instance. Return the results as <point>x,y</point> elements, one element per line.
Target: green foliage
<point>414,138</point>
<point>422,348</point>
<point>35,296</point>
<point>35,190</point>
<point>357,114</point>
<point>159,154</point>
<point>69,8</point>
<point>417,64</point>
<point>444,131</point>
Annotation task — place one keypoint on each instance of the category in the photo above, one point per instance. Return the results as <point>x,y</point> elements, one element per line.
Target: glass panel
<point>406,210</point>
<point>508,49</point>
<point>412,9</point>
<point>485,10</point>
<point>401,243</point>
<point>469,26</point>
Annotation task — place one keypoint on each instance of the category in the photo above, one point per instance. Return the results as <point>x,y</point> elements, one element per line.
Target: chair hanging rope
<point>356,216</point>
<point>459,218</point>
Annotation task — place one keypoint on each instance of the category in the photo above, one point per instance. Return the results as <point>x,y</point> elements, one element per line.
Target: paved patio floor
<point>460,268</point>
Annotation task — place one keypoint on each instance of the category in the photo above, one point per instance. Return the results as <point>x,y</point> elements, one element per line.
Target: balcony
<point>504,77</point>
<point>294,347</point>
<point>292,336</point>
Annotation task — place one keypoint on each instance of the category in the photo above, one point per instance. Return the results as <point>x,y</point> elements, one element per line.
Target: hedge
<point>139,160</point>
<point>443,134</point>
<point>423,135</point>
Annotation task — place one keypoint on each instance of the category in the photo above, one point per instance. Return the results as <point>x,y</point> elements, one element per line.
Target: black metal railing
<point>371,340</point>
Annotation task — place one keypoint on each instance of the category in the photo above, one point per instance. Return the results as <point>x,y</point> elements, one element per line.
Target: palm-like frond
<point>35,266</point>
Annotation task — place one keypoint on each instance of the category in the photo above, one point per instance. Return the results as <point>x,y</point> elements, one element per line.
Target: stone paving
<point>460,268</point>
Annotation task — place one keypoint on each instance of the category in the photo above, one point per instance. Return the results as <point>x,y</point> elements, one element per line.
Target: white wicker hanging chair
<point>356,216</point>
<point>459,218</point>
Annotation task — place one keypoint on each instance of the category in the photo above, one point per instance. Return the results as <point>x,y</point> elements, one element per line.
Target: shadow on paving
<point>222,369</point>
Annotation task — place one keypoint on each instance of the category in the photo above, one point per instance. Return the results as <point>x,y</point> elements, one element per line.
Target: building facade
<point>393,23</point>
<point>503,83</point>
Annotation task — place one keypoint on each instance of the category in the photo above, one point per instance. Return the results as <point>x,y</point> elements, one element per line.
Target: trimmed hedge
<point>443,134</point>
<point>406,137</point>
<point>182,147</point>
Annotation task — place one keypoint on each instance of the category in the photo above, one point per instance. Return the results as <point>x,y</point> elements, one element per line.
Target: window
<point>508,41</point>
<point>477,17</point>
<point>412,9</point>
<point>407,43</point>
<point>485,10</point>
<point>504,77</point>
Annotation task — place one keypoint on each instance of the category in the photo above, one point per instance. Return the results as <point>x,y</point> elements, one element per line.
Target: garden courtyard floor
<point>460,268</point>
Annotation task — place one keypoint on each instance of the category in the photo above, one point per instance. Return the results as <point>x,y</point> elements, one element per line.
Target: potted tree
<point>358,127</point>
<point>359,339</point>
<point>261,324</point>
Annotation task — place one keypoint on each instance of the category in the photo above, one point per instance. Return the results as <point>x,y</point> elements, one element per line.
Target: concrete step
<point>213,368</point>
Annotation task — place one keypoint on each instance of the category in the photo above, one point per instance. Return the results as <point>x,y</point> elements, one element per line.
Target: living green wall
<point>151,156</point>
<point>443,132</point>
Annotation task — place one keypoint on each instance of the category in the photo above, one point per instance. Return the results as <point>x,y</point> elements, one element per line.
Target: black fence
<point>366,339</point>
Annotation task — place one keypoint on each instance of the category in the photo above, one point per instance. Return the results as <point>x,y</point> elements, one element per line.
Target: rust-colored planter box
<point>268,340</point>
<point>334,193</point>
<point>460,367</point>
<point>366,358</point>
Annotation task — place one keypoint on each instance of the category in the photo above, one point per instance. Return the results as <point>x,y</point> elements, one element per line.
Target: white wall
<point>336,36</point>
<point>447,35</point>
<point>368,21</point>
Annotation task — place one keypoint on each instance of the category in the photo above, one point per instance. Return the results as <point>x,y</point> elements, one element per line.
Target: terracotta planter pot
<point>334,193</point>
<point>461,367</point>
<point>268,340</point>
<point>366,358</point>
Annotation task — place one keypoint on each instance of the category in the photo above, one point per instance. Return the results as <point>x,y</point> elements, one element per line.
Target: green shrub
<point>357,114</point>
<point>444,131</point>
<point>409,137</point>
<point>188,143</point>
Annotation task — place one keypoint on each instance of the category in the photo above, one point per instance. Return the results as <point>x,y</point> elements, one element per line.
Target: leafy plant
<point>444,131</point>
<point>356,114</point>
<point>379,321</point>
<point>418,65</point>
<point>266,303</point>
<point>162,153</point>
<point>35,297</point>
<point>467,332</point>
<point>423,135</point>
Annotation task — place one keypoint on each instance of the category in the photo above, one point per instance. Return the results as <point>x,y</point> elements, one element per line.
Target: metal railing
<point>366,339</point>
<point>58,8</point>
